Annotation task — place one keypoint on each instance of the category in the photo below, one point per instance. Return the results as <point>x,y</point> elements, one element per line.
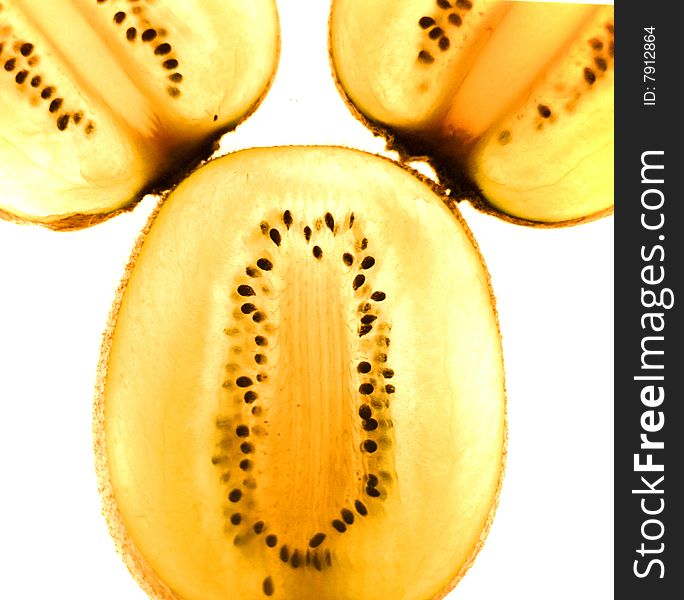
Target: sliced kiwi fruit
<point>301,391</point>
<point>102,101</point>
<point>512,101</point>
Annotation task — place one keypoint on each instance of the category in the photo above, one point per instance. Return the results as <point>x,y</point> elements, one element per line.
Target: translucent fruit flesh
<point>294,402</point>
<point>517,97</point>
<point>103,100</point>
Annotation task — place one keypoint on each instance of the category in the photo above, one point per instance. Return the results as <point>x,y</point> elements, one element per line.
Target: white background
<point>552,537</point>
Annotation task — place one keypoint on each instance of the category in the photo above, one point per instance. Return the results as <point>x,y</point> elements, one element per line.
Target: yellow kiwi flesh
<point>103,101</point>
<point>301,391</point>
<point>513,100</point>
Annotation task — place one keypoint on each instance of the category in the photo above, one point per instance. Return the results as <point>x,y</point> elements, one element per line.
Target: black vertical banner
<point>649,355</point>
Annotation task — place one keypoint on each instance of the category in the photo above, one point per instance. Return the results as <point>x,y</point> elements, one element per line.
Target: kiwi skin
<point>139,568</point>
<point>453,180</point>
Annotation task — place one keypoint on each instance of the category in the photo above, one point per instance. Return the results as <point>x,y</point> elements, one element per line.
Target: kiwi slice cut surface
<point>301,392</point>
<point>511,99</point>
<point>104,100</point>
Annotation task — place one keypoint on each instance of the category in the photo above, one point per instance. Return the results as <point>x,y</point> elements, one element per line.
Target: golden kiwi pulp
<point>104,100</point>
<point>301,392</point>
<point>513,99</point>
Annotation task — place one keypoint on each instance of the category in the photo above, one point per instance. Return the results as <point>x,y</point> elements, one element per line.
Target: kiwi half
<point>512,101</point>
<point>301,391</point>
<point>101,101</point>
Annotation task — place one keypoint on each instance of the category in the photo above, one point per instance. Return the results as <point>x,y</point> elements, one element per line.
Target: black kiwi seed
<point>589,76</point>
<point>426,22</point>
<point>367,262</point>
<point>131,32</point>
<point>317,252</point>
<point>62,122</point>
<point>544,111</point>
<point>26,49</point>
<point>260,359</point>
<point>465,4</point>
<point>339,526</point>
<point>148,35</point>
<point>236,518</point>
<point>425,57</point>
<point>243,381</point>
<point>246,447</point>
<point>444,3</point>
<point>378,296</point>
<point>268,586</point>
<point>363,367</point>
<point>436,32</point>
<point>347,516</point>
<point>246,290</point>
<point>330,222</point>
<point>258,527</point>
<point>316,540</point>
<point>368,319</point>
<point>372,492</point>
<point>250,396</point>
<point>35,81</point>
<point>287,218</point>
<point>242,431</point>
<point>390,389</point>
<point>387,373</point>
<point>235,495</point>
<point>21,76</point>
<point>271,540</point>
<point>348,259</point>
<point>284,554</point>
<point>444,43</point>
<point>296,560</point>
<point>455,19</point>
<point>601,63</point>
<point>360,508</point>
<point>365,411</point>
<point>366,389</point>
<point>274,234</point>
<point>365,329</point>
<point>370,446</point>
<point>307,233</point>
<point>372,480</point>
<point>260,340</point>
<point>119,17</point>
<point>10,64</point>
<point>264,264</point>
<point>247,308</point>
<point>245,464</point>
<point>359,280</point>
<point>162,49</point>
<point>370,425</point>
<point>55,105</point>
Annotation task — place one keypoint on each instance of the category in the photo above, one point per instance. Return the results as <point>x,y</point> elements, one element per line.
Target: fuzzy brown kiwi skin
<point>139,568</point>
<point>187,161</point>
<point>453,179</point>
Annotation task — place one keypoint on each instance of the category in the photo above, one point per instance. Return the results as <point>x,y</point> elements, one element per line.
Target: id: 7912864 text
<point>649,97</point>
